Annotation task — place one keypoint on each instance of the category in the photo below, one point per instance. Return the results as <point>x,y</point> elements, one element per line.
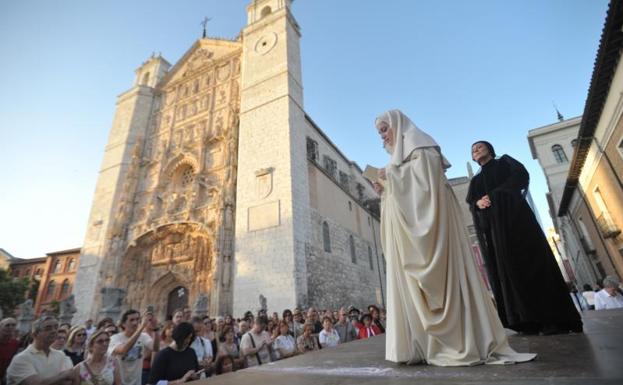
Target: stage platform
<point>595,357</point>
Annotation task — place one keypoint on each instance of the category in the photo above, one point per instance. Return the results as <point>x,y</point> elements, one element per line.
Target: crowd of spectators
<point>140,350</point>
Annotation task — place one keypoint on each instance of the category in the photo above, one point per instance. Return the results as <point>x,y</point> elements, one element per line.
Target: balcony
<point>608,228</point>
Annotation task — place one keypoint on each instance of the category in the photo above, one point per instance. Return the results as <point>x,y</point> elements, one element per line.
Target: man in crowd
<point>38,364</point>
<point>132,345</point>
<point>255,344</point>
<point>312,316</point>
<point>88,325</point>
<point>60,340</point>
<point>609,297</point>
<point>345,328</point>
<point>202,346</point>
<point>8,344</point>
<point>297,323</point>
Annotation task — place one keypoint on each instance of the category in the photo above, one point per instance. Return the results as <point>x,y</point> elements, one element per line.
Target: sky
<point>462,70</point>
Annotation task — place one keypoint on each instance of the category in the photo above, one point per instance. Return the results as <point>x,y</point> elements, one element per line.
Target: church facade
<point>216,184</point>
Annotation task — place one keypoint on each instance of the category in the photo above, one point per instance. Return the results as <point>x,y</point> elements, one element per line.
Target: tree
<point>12,292</point>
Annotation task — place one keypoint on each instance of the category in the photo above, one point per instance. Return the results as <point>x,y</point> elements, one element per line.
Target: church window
<point>71,265</point>
<point>266,11</point>
<point>65,288</point>
<point>196,86</point>
<point>312,150</point>
<point>559,154</point>
<point>326,237</point>
<point>145,79</point>
<point>57,267</point>
<point>344,179</point>
<point>370,258</point>
<point>330,166</point>
<point>187,176</point>
<point>49,294</point>
<point>353,253</point>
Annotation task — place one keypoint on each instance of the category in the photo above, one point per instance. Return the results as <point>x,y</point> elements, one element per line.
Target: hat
<point>297,311</point>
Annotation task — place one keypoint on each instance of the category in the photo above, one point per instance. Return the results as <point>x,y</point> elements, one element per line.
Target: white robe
<point>438,309</point>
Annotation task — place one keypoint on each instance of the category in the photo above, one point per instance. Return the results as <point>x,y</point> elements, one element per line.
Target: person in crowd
<point>285,344</point>
<point>345,328</point>
<point>225,364</point>
<point>275,318</point>
<point>375,313</point>
<point>89,327</point>
<point>328,336</point>
<point>76,343</point>
<point>297,323</point>
<point>441,313</point>
<point>243,327</point>
<point>248,316</point>
<point>99,368</point>
<point>188,314</point>
<point>306,341</point>
<point>177,363</point>
<point>209,333</point>
<point>368,328</point>
<point>60,341</point>
<point>202,346</point>
<point>177,317</point>
<point>8,344</point>
<point>166,336</point>
<point>229,347</point>
<point>104,323</point>
<point>147,360</point>
<point>312,316</point>
<point>38,364</point>
<point>111,330</point>
<point>589,296</point>
<point>256,344</point>
<point>354,315</point>
<point>609,297</point>
<point>64,326</point>
<point>132,345</point>
<point>529,290</point>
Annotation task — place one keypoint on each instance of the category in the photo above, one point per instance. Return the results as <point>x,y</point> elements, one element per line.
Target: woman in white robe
<point>438,309</point>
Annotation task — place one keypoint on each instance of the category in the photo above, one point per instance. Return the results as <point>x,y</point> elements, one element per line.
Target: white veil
<point>407,137</point>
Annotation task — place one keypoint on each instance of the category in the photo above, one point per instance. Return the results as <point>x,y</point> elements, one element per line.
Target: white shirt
<point>328,339</point>
<point>589,296</point>
<point>604,301</point>
<point>131,364</point>
<point>286,343</point>
<point>246,343</point>
<point>203,348</point>
<point>34,362</point>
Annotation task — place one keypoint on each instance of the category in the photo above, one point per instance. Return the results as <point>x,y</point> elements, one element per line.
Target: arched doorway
<point>178,298</point>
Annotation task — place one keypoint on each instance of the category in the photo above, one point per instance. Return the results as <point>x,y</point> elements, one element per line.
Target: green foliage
<point>12,292</point>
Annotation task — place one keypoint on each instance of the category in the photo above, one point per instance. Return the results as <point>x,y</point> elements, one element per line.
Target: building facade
<point>208,188</point>
<point>592,200</point>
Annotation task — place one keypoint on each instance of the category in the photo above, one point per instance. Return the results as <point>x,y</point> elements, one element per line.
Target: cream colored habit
<point>439,311</point>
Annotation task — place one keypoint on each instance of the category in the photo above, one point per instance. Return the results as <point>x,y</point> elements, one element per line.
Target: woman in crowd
<point>74,348</point>
<point>229,348</point>
<point>166,336</point>
<point>178,317</point>
<point>307,342</point>
<point>177,363</point>
<point>99,368</point>
<point>368,328</point>
<point>375,314</point>
<point>284,345</point>
<point>225,364</point>
<point>530,292</point>
<point>209,333</point>
<point>328,336</point>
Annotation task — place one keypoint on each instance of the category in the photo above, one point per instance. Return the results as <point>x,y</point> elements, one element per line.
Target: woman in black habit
<point>528,287</point>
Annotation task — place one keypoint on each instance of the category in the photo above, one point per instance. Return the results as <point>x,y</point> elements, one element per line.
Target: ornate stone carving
<point>26,316</point>
<point>67,309</point>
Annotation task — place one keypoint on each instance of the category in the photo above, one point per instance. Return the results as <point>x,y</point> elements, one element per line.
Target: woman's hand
<point>484,202</point>
<point>378,188</point>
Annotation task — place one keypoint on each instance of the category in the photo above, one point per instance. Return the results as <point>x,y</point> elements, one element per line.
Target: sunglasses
<point>81,335</point>
<point>103,342</point>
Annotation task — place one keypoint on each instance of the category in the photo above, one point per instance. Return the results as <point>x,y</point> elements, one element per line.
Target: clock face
<point>265,43</point>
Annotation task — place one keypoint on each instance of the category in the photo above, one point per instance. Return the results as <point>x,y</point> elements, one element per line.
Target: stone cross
<point>26,316</point>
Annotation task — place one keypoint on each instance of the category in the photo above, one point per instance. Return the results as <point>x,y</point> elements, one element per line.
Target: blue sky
<point>462,70</point>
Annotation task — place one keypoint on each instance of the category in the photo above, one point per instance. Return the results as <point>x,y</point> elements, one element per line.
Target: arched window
<point>326,237</point>
<point>370,258</point>
<point>27,273</point>
<point>57,267</point>
<point>559,153</point>
<point>145,79</point>
<point>49,294</point>
<point>65,288</point>
<point>353,254</point>
<point>71,265</point>
<point>266,11</point>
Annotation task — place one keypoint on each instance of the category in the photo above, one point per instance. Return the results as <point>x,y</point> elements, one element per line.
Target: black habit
<point>528,287</point>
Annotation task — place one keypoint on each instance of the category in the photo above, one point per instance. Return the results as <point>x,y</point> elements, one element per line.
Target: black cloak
<point>528,287</point>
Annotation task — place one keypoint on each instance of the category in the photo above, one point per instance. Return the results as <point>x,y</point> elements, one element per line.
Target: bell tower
<point>272,199</point>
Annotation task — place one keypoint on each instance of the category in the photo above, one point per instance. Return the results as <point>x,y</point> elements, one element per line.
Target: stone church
<point>216,186</point>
